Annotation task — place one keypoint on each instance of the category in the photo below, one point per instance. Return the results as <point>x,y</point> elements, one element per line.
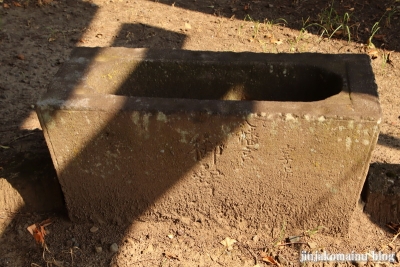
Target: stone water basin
<point>250,140</point>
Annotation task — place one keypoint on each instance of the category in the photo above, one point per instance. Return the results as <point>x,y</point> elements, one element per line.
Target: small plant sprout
<point>374,30</point>
<point>314,231</point>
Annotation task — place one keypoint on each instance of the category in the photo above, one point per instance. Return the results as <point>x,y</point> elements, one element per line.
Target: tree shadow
<point>381,193</point>
<point>389,141</point>
<point>147,116</point>
<point>22,150</point>
<point>151,190</point>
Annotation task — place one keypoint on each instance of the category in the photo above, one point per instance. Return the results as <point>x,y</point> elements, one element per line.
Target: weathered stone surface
<point>252,138</point>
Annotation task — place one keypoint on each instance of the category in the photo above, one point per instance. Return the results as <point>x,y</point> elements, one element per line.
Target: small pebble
<point>256,238</point>
<point>98,249</point>
<point>282,260</point>
<point>21,232</point>
<point>94,229</point>
<point>114,248</point>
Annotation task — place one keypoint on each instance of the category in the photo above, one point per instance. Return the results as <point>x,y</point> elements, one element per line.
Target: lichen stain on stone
<point>226,130</point>
<point>274,128</point>
<point>162,117</point>
<point>141,122</point>
<point>135,117</point>
<point>366,132</point>
<point>48,120</point>
<point>290,117</point>
<point>183,135</point>
<point>307,117</point>
<point>348,143</point>
<point>146,121</point>
<point>109,154</point>
<point>87,120</point>
<point>350,124</point>
<point>365,142</point>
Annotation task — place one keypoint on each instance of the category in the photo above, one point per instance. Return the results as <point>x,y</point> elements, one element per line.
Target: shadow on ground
<point>137,35</point>
<point>389,141</point>
<point>381,193</point>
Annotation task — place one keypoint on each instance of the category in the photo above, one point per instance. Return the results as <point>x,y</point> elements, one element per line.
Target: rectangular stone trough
<point>249,140</point>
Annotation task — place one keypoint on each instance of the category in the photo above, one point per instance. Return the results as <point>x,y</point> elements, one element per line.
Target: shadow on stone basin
<point>150,134</point>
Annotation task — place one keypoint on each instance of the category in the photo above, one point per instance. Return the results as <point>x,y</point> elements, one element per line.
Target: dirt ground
<point>37,36</point>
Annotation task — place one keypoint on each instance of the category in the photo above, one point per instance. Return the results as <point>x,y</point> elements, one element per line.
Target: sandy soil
<point>37,37</point>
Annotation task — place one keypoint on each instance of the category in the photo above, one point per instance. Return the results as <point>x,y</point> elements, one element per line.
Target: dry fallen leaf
<point>16,4</point>
<point>380,37</point>
<point>38,232</point>
<point>373,53</point>
<point>21,56</point>
<point>312,245</point>
<point>171,256</point>
<point>228,243</point>
<point>338,32</point>
<point>6,5</point>
<point>270,260</point>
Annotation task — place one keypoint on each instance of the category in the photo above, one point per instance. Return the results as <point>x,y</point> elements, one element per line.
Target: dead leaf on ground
<point>228,243</point>
<point>16,4</point>
<point>38,232</point>
<point>6,5</point>
<point>171,256</point>
<point>21,56</point>
<point>338,32</point>
<point>270,260</point>
<point>312,245</point>
<point>380,37</point>
<point>372,52</point>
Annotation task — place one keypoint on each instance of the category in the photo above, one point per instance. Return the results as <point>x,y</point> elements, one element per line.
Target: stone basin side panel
<point>258,171</point>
